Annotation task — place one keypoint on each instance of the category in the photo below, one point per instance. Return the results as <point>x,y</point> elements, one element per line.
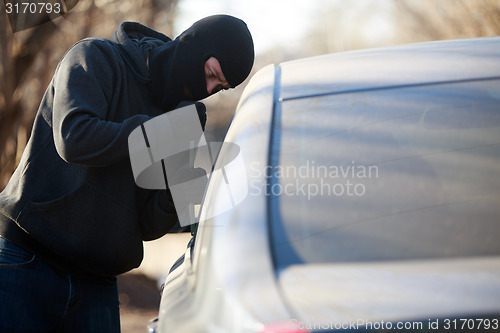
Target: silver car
<point>361,191</point>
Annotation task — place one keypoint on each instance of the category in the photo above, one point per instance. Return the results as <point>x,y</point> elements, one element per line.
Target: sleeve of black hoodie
<point>84,83</point>
<point>158,213</point>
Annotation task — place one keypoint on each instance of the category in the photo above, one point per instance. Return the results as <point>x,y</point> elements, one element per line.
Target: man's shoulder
<point>93,45</point>
<point>92,53</point>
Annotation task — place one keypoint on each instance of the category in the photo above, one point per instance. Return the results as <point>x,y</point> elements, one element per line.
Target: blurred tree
<point>18,53</point>
<point>341,25</point>
<point>423,20</point>
<point>28,59</point>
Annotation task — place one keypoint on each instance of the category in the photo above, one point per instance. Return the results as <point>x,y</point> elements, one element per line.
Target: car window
<point>395,174</point>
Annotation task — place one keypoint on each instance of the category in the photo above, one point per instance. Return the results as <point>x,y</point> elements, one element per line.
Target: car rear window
<point>391,174</point>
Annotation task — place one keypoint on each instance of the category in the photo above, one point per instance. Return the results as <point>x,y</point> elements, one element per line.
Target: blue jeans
<point>35,297</point>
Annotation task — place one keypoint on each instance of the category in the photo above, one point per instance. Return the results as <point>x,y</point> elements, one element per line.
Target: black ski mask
<point>177,68</point>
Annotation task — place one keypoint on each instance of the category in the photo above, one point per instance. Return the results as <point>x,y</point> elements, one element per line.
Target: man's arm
<point>158,215</point>
<point>84,86</point>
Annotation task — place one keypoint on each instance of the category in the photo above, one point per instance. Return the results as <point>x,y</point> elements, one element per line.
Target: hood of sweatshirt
<point>136,41</point>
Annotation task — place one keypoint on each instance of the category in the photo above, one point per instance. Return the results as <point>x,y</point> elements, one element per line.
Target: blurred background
<point>282,30</point>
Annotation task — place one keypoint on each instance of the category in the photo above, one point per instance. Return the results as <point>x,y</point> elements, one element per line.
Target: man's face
<point>215,79</point>
<point>214,76</point>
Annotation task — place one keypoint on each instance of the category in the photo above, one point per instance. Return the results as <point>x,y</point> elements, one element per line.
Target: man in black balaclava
<point>71,216</point>
<point>178,68</point>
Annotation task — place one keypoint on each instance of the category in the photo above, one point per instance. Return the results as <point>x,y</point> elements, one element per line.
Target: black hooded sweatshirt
<point>72,200</point>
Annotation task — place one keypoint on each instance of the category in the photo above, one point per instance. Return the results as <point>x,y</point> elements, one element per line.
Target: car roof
<point>391,67</point>
<point>253,278</point>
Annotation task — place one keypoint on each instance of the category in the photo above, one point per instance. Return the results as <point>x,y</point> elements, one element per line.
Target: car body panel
<point>392,291</point>
<point>230,280</point>
<point>244,285</point>
<point>389,67</point>
<point>393,82</point>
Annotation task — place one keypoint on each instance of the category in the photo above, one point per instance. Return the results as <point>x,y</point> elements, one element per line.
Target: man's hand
<point>200,108</point>
<point>194,182</point>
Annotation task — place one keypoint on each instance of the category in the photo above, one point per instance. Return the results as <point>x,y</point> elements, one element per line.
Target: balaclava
<point>181,62</point>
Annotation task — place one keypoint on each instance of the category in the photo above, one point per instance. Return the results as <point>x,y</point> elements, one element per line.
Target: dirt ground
<point>139,289</point>
<point>139,301</point>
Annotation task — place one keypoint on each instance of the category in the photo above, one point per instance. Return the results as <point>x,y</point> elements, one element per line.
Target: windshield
<point>396,174</point>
